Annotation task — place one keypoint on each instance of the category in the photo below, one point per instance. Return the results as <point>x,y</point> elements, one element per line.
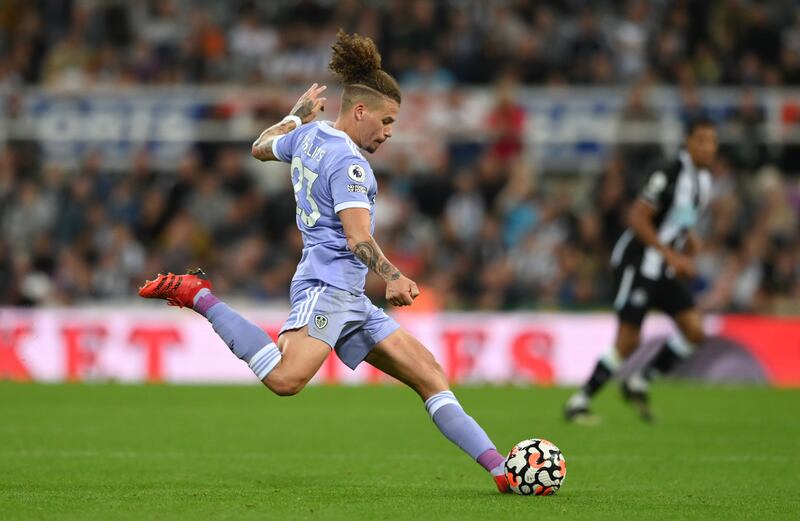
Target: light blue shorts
<point>350,324</point>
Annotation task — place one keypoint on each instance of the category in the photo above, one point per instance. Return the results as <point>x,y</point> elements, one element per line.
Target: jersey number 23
<point>302,180</point>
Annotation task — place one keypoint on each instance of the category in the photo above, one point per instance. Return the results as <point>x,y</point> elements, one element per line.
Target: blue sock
<point>246,340</point>
<point>464,431</point>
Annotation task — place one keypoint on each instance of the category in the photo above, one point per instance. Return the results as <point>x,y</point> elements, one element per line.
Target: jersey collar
<point>328,128</point>
<point>686,159</point>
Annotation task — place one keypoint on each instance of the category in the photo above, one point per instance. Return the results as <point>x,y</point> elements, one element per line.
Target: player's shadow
<point>375,490</point>
<point>718,360</point>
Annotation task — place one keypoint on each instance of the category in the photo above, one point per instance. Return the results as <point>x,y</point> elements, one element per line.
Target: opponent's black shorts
<point>635,295</point>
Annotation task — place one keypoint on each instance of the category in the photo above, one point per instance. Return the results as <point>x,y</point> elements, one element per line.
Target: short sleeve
<point>282,146</point>
<point>655,190</point>
<point>349,184</point>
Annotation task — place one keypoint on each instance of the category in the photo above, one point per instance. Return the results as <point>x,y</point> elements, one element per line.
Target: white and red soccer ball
<point>535,467</point>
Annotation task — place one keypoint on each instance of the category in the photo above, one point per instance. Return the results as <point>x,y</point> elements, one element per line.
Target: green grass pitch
<point>88,452</point>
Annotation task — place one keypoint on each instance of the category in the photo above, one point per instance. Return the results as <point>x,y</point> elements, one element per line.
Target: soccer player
<point>335,191</point>
<point>652,260</point>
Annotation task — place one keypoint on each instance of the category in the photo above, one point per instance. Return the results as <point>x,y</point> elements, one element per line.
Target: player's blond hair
<point>357,63</point>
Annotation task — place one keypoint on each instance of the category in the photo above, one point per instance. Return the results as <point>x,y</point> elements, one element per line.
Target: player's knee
<point>696,336</point>
<point>285,385</point>
<point>627,347</point>
<point>289,388</point>
<point>628,339</point>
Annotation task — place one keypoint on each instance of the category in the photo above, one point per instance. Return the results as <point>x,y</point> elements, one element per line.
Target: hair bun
<point>355,58</point>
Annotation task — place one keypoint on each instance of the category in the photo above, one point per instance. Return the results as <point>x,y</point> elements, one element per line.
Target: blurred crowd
<point>478,226</point>
<point>433,44</point>
<point>484,234</point>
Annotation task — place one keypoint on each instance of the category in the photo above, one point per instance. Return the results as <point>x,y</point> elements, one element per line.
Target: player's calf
<point>245,340</point>
<point>461,429</point>
<point>402,356</point>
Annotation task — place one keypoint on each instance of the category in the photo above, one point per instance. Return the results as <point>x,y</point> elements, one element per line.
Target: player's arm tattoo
<point>262,147</point>
<point>303,109</point>
<point>371,255</point>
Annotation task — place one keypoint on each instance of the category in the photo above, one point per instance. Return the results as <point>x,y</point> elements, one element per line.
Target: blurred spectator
<point>173,41</point>
<point>762,37</point>
<point>208,204</point>
<point>427,75</point>
<point>530,62</point>
<point>706,68</point>
<point>611,197</point>
<point>519,205</point>
<point>465,209</point>
<point>777,217</point>
<point>585,47</point>
<point>638,119</point>
<point>630,39</point>
<point>65,65</point>
<point>251,42</point>
<point>27,216</point>
<point>203,52</point>
<point>161,25</point>
<point>506,121</point>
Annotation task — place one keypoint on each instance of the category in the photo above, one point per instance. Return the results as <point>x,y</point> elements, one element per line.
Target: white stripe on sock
<point>434,407</point>
<point>612,359</point>
<point>268,364</point>
<point>578,400</point>
<point>439,400</point>
<point>265,355</point>
<point>680,346</point>
<point>259,355</point>
<point>265,360</point>
<point>637,383</point>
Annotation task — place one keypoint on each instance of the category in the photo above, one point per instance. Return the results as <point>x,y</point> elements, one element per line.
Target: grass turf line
<point>160,452</point>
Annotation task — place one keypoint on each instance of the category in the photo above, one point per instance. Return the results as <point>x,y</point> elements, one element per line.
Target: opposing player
<point>651,261</point>
<point>335,191</point>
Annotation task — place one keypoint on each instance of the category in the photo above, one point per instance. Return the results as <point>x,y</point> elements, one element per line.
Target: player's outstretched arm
<point>400,290</point>
<point>304,111</point>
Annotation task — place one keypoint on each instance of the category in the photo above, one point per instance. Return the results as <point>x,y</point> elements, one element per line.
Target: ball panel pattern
<point>535,467</point>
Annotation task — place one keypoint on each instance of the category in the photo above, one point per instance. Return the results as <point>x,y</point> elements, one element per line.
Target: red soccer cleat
<point>502,484</point>
<point>177,290</point>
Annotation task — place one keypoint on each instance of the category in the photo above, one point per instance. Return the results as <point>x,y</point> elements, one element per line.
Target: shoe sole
<point>641,407</point>
<point>584,419</point>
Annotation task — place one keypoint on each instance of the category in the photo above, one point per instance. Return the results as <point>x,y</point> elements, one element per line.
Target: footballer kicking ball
<point>535,467</point>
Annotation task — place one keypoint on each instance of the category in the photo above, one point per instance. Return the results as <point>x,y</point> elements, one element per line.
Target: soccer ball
<point>535,467</point>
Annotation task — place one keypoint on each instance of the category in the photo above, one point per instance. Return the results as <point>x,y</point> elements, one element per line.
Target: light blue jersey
<point>329,174</point>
